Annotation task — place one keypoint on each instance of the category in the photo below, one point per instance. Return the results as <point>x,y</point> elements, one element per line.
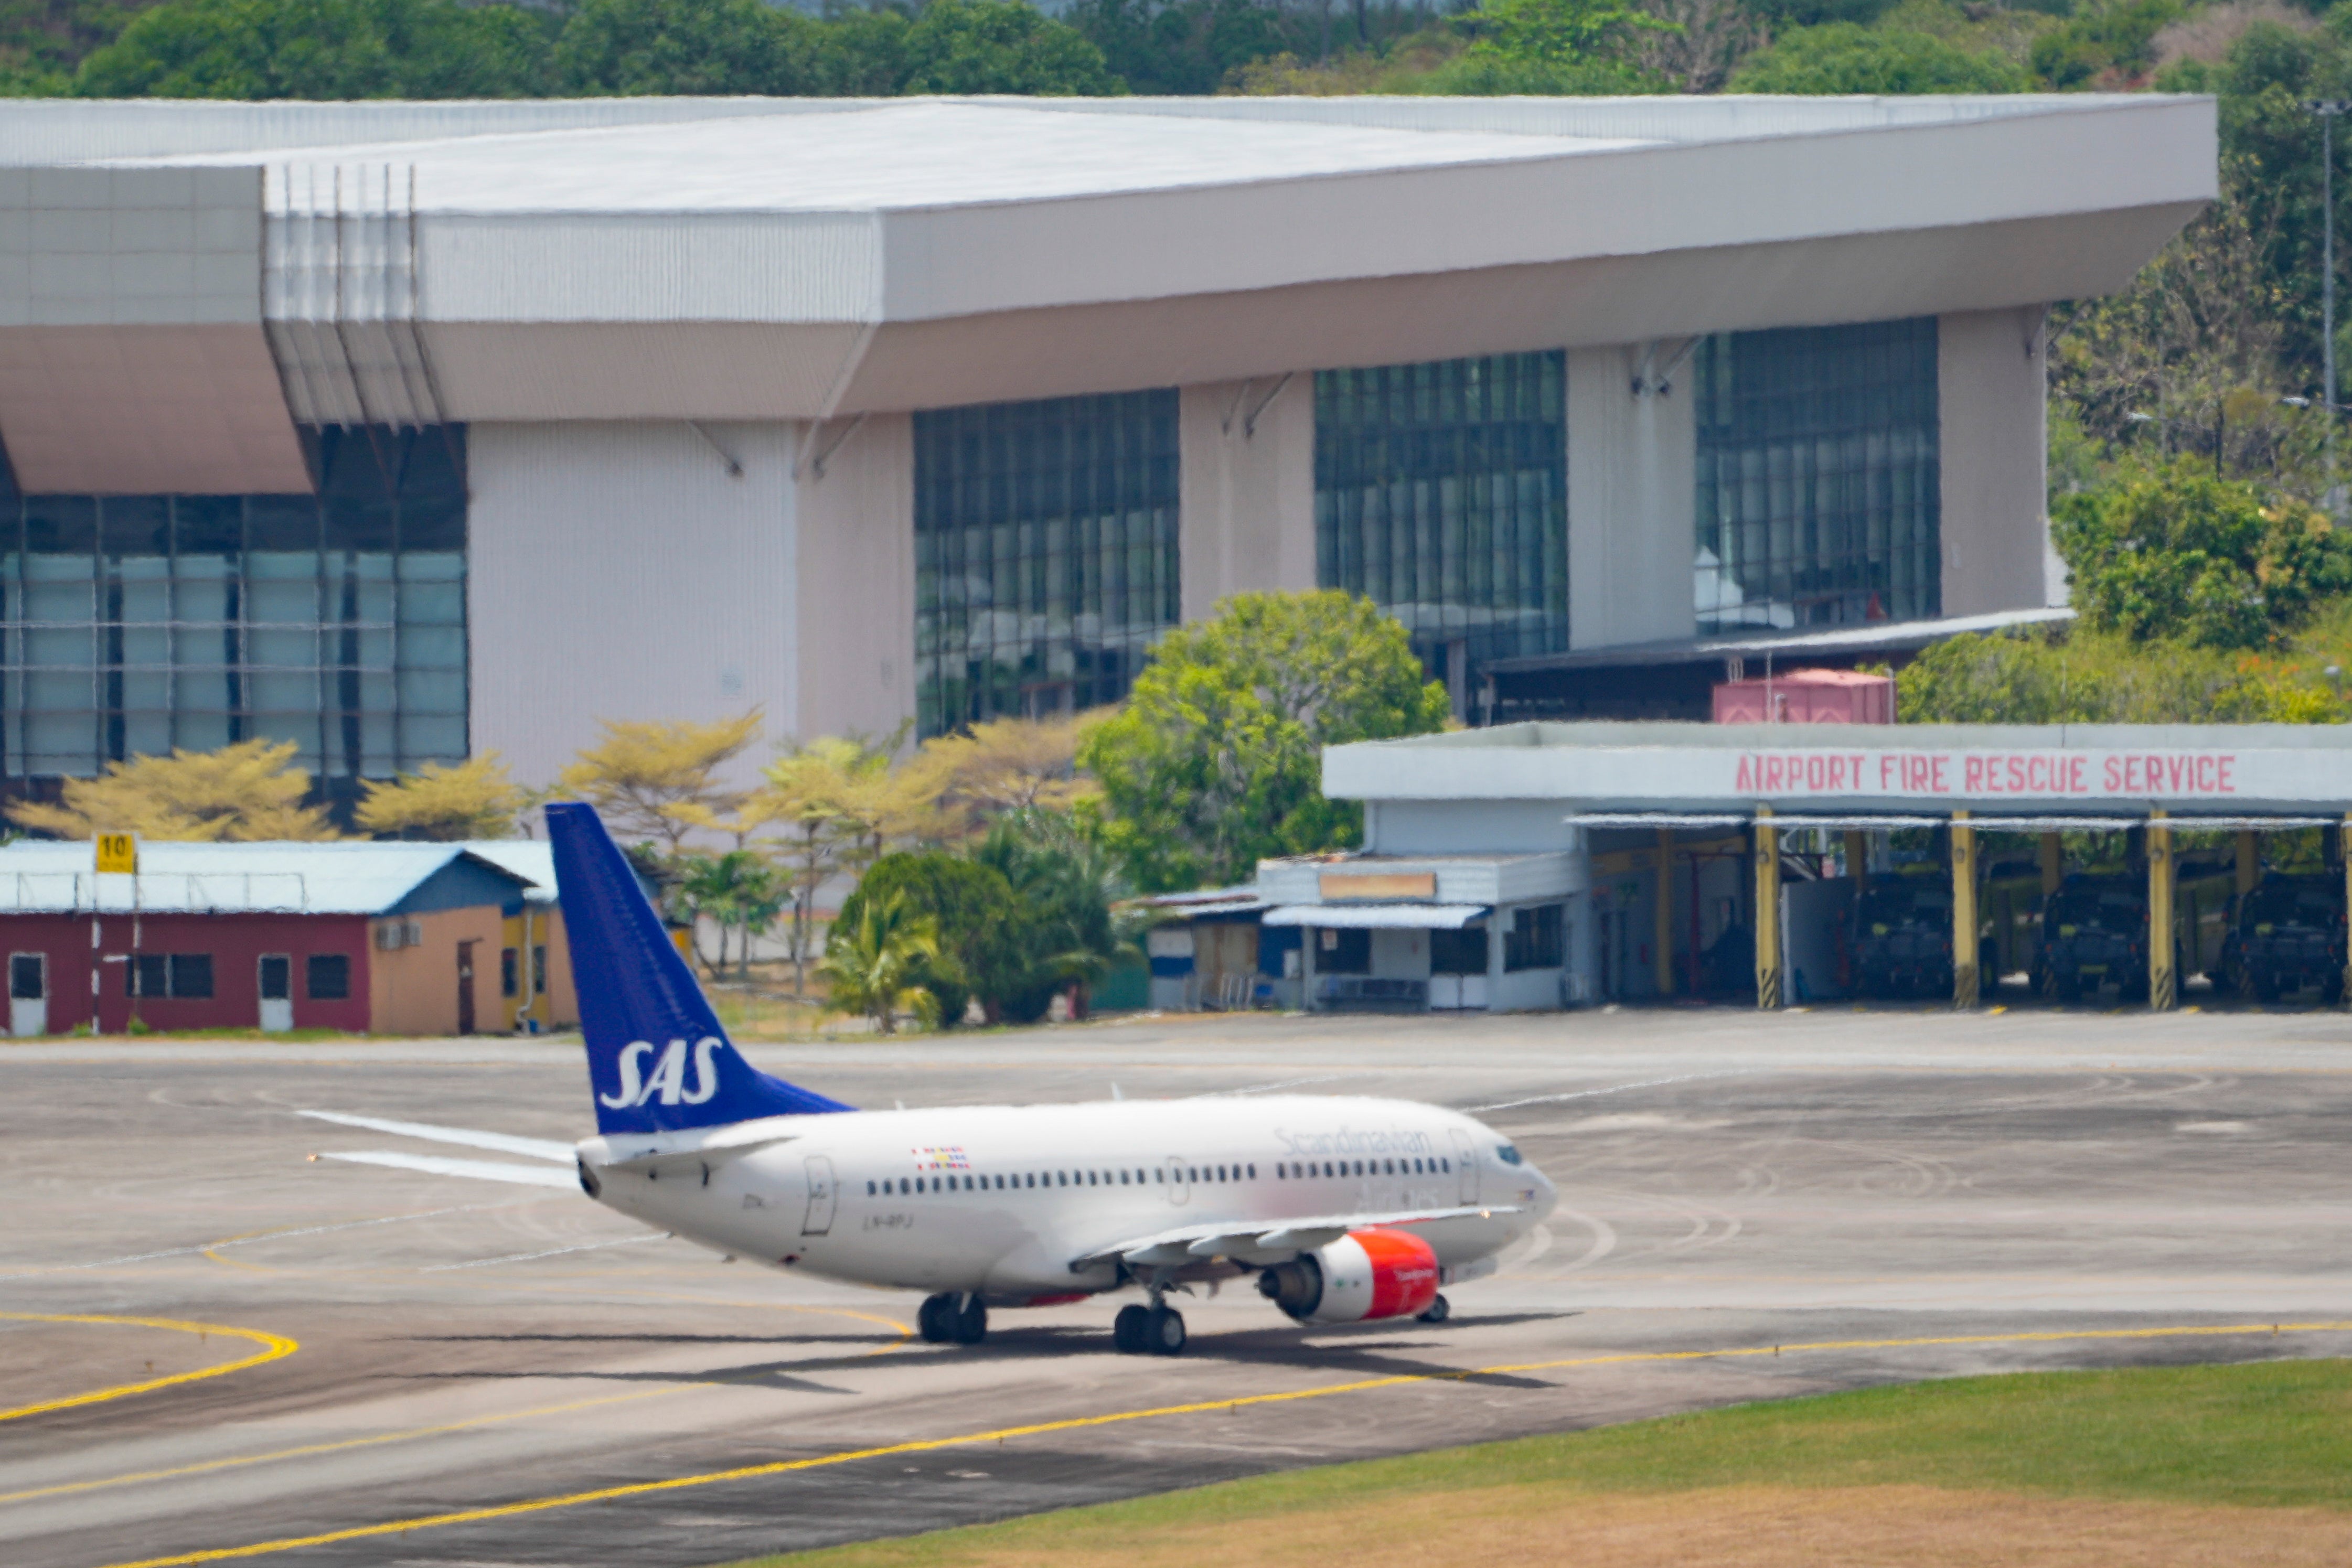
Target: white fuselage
<point>1002,1200</point>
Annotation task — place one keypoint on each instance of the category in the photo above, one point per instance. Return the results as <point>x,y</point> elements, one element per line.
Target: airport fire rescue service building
<point>411,430</point>
<point>1541,865</point>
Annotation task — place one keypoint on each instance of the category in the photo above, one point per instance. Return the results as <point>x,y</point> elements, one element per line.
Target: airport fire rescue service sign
<point>2211,779</point>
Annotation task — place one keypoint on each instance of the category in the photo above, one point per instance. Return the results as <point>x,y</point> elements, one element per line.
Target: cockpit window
<point>1509,1155</point>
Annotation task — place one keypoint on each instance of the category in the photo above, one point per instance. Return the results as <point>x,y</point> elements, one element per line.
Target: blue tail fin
<point>657,1058</point>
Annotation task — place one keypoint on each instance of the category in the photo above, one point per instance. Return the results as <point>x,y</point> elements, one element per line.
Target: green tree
<point>1068,930</point>
<point>1001,46</point>
<point>738,891</point>
<point>626,47</point>
<point>870,966</point>
<point>321,49</point>
<point>1844,58</point>
<point>1215,761</point>
<point>978,917</point>
<point>2177,553</point>
<point>1553,47</point>
<point>2104,45</point>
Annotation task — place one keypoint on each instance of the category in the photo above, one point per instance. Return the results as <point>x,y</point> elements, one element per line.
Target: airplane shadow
<point>1364,1350</point>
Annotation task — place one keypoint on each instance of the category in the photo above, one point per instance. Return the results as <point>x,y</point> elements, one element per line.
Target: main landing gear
<point>953,1318</point>
<point>1155,1330</point>
<point>1437,1312</point>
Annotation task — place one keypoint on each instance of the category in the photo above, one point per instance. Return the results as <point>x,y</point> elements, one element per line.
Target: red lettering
<point>1972,774</point>
<point>2204,776</point>
<point>2115,776</point>
<point>2076,767</point>
<point>1771,775</point>
<point>1943,776</point>
<point>2037,775</point>
<point>1856,759</point>
<point>1746,782</point>
<point>2017,774</point>
<point>1885,773</point>
<point>2222,767</point>
<point>2174,767</point>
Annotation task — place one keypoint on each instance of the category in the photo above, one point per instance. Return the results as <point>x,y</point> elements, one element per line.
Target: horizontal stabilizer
<point>482,1170</point>
<point>503,1143</point>
<point>1277,1240</point>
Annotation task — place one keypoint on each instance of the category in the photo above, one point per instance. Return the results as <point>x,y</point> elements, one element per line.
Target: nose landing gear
<point>953,1318</point>
<point>1437,1312</point>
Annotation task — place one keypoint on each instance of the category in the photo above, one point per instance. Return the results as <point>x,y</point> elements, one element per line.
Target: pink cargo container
<point>1807,697</point>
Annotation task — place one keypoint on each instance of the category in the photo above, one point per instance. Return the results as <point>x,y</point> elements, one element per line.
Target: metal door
<point>464,987</point>
<point>277,974</point>
<point>28,993</point>
<point>821,1196</point>
<point>1465,1168</point>
<point>1179,1187</point>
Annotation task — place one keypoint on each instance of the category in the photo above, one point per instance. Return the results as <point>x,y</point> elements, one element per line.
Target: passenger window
<point>870,1190</point>
<point>1444,1166</point>
<point>903,1188</point>
<point>1123,1179</point>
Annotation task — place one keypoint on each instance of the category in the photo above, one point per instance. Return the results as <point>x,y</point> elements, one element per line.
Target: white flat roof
<point>879,158</point>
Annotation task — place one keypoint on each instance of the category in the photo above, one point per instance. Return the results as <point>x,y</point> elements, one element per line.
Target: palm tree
<point>871,966</point>
<point>1072,931</point>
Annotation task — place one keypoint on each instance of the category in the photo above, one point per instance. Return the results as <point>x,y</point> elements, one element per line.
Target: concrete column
<point>1768,912</point>
<point>1247,488</point>
<point>1306,968</point>
<point>1631,486</point>
<point>1989,394</point>
<point>2250,860</point>
<point>2054,863</point>
<point>1662,946</point>
<point>2163,984</point>
<point>1966,981</point>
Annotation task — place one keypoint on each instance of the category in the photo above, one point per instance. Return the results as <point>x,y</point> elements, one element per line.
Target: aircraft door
<point>1179,1190</point>
<point>821,1196</point>
<point>277,993</point>
<point>28,993</point>
<point>1465,1168</point>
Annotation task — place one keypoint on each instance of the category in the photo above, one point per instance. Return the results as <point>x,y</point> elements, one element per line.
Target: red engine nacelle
<point>1364,1274</point>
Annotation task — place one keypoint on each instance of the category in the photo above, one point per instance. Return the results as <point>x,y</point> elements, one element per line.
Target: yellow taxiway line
<point>1080,1423</point>
<point>275,1347</point>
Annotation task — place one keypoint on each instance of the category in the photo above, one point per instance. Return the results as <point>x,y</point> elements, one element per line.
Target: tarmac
<point>437,1370</point>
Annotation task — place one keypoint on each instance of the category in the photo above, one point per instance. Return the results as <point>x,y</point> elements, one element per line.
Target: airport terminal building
<point>411,430</point>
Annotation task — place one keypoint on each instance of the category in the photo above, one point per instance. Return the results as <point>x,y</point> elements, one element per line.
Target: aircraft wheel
<point>1440,1308</point>
<point>1163,1333</point>
<point>1126,1330</point>
<point>967,1324</point>
<point>932,1318</point>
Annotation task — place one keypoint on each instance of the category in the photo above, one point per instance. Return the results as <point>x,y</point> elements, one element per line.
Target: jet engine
<point>1364,1274</point>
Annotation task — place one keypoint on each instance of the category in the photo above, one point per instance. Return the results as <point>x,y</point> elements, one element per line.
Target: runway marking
<point>550,1252</point>
<point>207,1465</point>
<point>203,1247</point>
<point>1612,1089</point>
<point>1081,1423</point>
<point>275,1347</point>
<point>685,1384</point>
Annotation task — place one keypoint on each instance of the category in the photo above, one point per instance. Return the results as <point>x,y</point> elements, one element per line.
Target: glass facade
<point>1046,553</point>
<point>1819,496</point>
<point>135,625</point>
<point>1441,493</point>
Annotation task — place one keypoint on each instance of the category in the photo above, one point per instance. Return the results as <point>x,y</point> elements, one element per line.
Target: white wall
<point>1467,827</point>
<point>1630,470</point>
<point>856,578</point>
<point>1248,489</point>
<point>1991,394</point>
<point>618,571</point>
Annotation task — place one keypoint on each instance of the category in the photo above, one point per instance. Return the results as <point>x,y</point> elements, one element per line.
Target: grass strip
<point>2262,1435</point>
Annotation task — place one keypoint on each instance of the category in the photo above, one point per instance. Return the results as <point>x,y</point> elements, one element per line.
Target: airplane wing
<point>1265,1242</point>
<point>484,1170</point>
<point>503,1143</point>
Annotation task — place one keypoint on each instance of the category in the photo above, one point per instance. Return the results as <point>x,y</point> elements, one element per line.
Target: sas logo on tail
<point>669,1074</point>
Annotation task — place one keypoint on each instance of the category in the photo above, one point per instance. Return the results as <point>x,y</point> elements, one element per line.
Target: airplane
<point>1344,1209</point>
